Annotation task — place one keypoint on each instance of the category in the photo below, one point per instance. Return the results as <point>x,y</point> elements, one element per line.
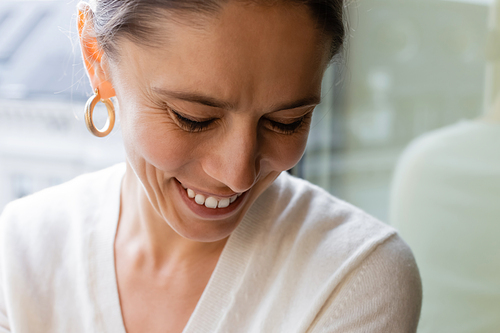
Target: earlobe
<point>92,54</point>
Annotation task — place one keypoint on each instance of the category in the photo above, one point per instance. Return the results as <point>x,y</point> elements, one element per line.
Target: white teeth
<point>200,199</point>
<point>223,203</point>
<point>211,202</point>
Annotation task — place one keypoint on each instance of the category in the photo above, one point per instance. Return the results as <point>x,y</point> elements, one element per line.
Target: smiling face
<point>221,109</point>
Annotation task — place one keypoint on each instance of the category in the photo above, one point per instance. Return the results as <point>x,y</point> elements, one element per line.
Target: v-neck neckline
<point>218,294</point>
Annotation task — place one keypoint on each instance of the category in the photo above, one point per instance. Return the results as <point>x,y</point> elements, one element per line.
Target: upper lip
<point>209,194</point>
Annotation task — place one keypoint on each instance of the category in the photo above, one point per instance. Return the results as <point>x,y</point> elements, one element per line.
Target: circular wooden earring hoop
<point>89,111</point>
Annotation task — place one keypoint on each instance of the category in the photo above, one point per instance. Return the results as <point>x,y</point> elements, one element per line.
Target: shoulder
<point>316,214</point>
<point>327,233</point>
<point>49,215</point>
<point>61,198</point>
<point>351,272</point>
<point>382,294</point>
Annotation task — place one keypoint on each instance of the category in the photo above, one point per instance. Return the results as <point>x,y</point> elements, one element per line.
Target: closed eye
<point>290,128</point>
<point>192,125</point>
<point>286,128</point>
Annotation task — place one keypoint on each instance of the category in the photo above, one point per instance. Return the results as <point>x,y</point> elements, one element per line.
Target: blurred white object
<point>445,202</point>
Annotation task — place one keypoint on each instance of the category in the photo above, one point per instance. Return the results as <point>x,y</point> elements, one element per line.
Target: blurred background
<point>406,122</point>
<point>43,90</point>
<point>411,67</point>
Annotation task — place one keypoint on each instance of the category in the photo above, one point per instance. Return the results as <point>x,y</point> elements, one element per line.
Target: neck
<point>143,230</point>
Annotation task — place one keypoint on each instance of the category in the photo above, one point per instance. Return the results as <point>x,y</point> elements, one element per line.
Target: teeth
<point>200,199</point>
<point>211,202</point>
<point>223,203</point>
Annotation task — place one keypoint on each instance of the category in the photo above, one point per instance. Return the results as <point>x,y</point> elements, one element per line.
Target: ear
<point>96,62</point>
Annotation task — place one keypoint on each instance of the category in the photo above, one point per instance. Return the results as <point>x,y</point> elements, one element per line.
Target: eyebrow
<point>213,102</point>
<point>307,101</point>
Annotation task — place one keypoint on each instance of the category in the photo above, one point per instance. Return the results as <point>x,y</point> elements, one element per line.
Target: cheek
<point>284,153</point>
<point>151,139</point>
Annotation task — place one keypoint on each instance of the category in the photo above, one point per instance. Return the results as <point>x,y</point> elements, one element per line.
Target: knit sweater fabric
<point>299,261</point>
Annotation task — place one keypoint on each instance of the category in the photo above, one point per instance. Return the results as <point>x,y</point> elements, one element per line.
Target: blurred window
<point>22,185</point>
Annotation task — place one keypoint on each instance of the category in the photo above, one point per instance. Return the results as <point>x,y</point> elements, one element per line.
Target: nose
<point>234,159</point>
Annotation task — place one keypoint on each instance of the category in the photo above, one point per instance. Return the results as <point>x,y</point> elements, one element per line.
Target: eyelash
<point>198,126</point>
<point>192,125</point>
<point>287,128</point>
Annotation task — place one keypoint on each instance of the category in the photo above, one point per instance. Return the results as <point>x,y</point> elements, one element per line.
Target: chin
<point>206,231</point>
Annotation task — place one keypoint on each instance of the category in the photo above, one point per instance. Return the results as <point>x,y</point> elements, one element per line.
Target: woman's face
<point>221,109</point>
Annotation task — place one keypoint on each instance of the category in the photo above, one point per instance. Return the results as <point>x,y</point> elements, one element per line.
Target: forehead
<point>243,53</point>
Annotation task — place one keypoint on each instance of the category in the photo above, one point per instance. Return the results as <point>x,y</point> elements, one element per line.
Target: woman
<point>202,231</point>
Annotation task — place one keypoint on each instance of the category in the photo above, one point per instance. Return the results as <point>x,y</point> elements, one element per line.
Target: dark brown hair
<point>134,19</point>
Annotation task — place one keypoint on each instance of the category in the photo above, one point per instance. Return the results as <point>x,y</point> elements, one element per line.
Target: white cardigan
<point>300,261</point>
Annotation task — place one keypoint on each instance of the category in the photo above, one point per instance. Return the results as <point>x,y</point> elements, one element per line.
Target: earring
<point>89,110</point>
